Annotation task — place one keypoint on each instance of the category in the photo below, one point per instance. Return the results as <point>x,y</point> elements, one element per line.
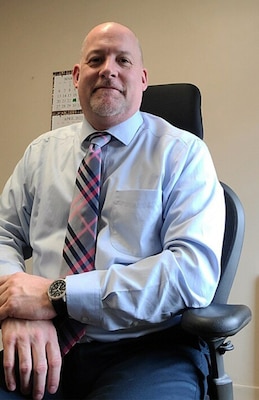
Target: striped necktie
<point>80,241</point>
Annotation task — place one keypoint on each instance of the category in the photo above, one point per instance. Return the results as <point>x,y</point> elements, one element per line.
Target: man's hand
<point>25,296</point>
<point>36,344</point>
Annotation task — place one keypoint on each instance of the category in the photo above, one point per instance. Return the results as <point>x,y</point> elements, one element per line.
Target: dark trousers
<point>165,365</point>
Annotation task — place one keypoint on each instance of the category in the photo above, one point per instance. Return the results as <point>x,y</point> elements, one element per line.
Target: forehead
<point>112,40</point>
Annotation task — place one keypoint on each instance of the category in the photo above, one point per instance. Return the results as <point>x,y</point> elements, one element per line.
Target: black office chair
<point>180,104</point>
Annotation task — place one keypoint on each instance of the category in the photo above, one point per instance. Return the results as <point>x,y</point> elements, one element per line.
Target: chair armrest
<point>216,320</point>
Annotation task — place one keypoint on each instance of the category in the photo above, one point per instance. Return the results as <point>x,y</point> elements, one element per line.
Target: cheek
<point>85,84</point>
<point>136,90</point>
<point>83,93</point>
<point>86,77</point>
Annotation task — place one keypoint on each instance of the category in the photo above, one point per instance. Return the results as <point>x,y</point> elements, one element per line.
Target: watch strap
<point>60,306</point>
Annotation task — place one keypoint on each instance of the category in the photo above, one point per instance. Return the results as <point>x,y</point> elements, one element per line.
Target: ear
<point>144,79</point>
<point>76,73</point>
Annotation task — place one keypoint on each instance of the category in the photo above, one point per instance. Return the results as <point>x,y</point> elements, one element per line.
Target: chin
<point>108,109</point>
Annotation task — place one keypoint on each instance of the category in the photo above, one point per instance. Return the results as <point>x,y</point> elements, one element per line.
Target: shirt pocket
<point>136,219</point>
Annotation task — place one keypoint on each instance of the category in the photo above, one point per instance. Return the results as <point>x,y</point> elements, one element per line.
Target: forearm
<point>14,247</point>
<point>147,292</point>
<point>10,261</point>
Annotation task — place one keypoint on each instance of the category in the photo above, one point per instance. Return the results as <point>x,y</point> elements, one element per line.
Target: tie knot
<point>100,138</point>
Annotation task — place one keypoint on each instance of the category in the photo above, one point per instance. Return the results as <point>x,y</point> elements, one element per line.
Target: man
<point>157,250</point>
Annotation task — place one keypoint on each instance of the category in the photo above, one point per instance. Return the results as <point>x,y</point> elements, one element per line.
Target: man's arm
<point>35,342</point>
<point>187,235</point>
<point>15,210</point>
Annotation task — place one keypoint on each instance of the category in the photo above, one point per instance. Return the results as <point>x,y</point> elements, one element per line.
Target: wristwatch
<point>57,296</point>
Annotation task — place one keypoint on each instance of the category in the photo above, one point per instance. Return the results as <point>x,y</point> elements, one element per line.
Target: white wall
<point>213,44</point>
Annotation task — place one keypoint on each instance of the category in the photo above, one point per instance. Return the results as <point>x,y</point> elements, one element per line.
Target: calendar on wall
<point>66,108</point>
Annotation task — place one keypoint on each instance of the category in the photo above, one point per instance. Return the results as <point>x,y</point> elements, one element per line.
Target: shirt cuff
<point>83,296</point>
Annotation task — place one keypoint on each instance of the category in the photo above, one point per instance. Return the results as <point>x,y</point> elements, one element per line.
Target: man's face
<point>110,77</point>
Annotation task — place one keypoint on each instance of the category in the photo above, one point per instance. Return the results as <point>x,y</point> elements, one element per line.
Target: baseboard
<point>242,392</point>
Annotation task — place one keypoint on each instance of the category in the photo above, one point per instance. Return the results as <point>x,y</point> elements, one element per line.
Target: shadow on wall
<point>256,327</point>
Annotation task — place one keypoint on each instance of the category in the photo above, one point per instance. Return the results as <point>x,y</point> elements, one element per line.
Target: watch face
<point>57,289</point>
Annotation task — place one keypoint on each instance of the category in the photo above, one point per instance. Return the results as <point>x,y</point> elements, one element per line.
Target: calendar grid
<point>66,107</point>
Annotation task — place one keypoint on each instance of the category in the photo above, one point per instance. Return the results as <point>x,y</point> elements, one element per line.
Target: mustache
<point>108,84</point>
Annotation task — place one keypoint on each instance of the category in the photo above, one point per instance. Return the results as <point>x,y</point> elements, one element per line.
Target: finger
<point>3,288</point>
<point>9,365</point>
<point>6,301</point>
<point>4,312</point>
<point>25,365</point>
<point>4,283</point>
<point>3,279</point>
<point>9,345</point>
<point>40,367</point>
<point>54,364</point>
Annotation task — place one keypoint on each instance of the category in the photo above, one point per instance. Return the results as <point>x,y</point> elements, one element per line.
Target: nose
<point>109,68</point>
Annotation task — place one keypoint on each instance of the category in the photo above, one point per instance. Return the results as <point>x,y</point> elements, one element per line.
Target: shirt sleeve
<point>15,210</point>
<point>184,273</point>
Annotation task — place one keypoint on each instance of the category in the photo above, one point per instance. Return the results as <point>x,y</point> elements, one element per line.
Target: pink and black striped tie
<point>80,241</point>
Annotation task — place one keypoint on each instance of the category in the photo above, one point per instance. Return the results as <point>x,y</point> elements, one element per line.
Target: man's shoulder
<point>162,128</point>
<point>59,134</point>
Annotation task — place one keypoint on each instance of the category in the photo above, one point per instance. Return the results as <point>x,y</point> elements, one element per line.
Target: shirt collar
<point>124,131</point>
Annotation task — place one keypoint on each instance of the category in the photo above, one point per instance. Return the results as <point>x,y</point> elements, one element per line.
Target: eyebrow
<point>103,51</point>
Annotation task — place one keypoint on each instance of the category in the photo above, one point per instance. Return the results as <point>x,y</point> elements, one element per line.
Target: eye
<point>125,61</point>
<point>94,61</point>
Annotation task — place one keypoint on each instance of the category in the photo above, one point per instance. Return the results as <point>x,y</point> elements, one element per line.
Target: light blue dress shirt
<point>160,230</point>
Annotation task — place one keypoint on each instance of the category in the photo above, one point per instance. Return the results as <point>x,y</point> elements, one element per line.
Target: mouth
<point>103,87</point>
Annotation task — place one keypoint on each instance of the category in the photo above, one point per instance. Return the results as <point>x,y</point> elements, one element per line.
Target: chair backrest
<point>177,103</point>
<point>232,244</point>
<point>180,104</point>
